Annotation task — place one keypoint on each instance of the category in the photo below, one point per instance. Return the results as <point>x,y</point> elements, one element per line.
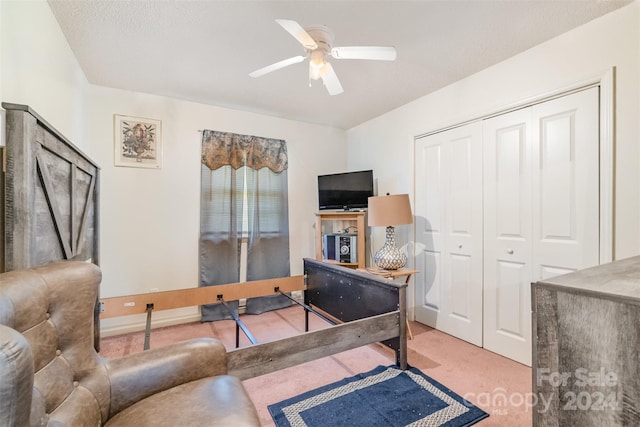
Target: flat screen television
<point>348,190</point>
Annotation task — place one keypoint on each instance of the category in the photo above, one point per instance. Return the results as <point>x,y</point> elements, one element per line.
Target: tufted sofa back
<point>47,353</point>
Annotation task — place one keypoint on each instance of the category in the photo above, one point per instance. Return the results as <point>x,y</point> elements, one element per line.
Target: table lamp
<point>389,211</point>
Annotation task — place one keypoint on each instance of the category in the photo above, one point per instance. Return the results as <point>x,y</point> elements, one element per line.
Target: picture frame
<point>138,142</point>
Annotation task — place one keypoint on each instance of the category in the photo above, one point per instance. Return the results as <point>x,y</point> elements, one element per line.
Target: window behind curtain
<point>216,194</point>
<point>218,190</point>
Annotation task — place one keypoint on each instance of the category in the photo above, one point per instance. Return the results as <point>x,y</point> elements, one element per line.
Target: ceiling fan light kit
<point>318,44</point>
<point>316,65</point>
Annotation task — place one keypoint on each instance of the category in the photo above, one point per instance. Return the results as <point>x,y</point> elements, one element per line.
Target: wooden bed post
<point>401,354</point>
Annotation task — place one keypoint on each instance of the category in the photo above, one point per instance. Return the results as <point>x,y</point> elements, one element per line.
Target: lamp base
<point>389,257</point>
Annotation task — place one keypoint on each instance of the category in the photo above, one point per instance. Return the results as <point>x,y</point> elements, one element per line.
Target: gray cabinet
<point>586,363</point>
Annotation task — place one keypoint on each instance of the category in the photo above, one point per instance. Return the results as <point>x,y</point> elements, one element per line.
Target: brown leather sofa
<point>51,375</point>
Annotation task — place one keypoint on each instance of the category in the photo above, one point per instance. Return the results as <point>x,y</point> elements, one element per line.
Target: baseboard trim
<point>140,325</point>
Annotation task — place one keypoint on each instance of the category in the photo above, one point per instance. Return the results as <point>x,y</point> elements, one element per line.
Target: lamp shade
<point>389,210</point>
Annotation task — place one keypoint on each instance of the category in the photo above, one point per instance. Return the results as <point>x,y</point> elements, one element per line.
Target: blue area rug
<point>385,396</point>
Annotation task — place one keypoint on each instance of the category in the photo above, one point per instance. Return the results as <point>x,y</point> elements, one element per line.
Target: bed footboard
<point>367,308</point>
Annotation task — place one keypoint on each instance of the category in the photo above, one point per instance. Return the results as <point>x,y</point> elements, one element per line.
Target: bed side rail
<point>137,304</point>
<point>260,359</point>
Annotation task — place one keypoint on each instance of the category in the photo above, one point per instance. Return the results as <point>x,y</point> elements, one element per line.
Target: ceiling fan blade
<point>381,53</point>
<point>298,32</point>
<point>277,66</point>
<point>330,80</point>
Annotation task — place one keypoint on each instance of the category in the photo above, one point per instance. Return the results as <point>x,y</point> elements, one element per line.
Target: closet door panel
<point>509,293</point>
<point>429,231</point>
<point>566,182</point>
<point>463,230</point>
<point>507,234</point>
<point>449,231</point>
<point>461,273</point>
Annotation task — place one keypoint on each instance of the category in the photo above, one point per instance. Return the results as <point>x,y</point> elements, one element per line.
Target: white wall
<point>149,218</point>
<point>612,40</point>
<point>2,112</point>
<point>38,68</point>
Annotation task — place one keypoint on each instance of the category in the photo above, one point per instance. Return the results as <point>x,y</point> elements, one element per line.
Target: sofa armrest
<point>137,376</point>
<point>16,371</point>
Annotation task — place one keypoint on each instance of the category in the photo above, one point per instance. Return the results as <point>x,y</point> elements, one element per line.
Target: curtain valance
<point>224,148</point>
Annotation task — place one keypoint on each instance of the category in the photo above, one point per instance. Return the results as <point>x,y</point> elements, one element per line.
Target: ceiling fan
<point>318,44</point>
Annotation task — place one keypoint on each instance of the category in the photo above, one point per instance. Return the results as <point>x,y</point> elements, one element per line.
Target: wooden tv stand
<point>352,219</point>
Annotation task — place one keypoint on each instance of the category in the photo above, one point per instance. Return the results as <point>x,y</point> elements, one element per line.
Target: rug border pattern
<point>455,408</point>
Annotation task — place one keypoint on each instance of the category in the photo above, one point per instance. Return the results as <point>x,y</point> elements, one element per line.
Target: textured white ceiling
<point>204,50</point>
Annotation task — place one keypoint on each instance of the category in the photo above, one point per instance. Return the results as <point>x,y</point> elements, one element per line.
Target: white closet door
<point>448,209</point>
<point>541,209</point>
<point>566,182</point>
<point>507,231</point>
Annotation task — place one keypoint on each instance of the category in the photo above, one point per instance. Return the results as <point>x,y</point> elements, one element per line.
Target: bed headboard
<point>50,200</point>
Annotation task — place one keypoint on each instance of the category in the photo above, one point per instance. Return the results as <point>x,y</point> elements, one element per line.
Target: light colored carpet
<point>496,384</point>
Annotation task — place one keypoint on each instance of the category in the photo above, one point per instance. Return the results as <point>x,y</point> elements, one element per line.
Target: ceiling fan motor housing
<point>323,37</point>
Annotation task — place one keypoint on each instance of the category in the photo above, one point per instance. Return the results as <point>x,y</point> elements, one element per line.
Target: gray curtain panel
<point>220,241</point>
<point>268,249</point>
<point>243,197</point>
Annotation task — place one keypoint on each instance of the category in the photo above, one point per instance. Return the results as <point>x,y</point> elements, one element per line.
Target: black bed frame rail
<point>239,324</point>
<point>308,309</point>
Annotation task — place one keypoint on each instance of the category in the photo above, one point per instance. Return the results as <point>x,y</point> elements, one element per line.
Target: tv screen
<point>349,190</point>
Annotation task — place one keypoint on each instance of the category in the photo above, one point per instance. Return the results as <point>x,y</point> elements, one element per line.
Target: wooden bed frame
<point>363,308</point>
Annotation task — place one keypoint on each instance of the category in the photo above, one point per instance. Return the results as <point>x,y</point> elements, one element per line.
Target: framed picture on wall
<point>138,142</point>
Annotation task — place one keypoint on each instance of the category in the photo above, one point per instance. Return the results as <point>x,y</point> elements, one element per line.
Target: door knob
<point>510,251</point>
